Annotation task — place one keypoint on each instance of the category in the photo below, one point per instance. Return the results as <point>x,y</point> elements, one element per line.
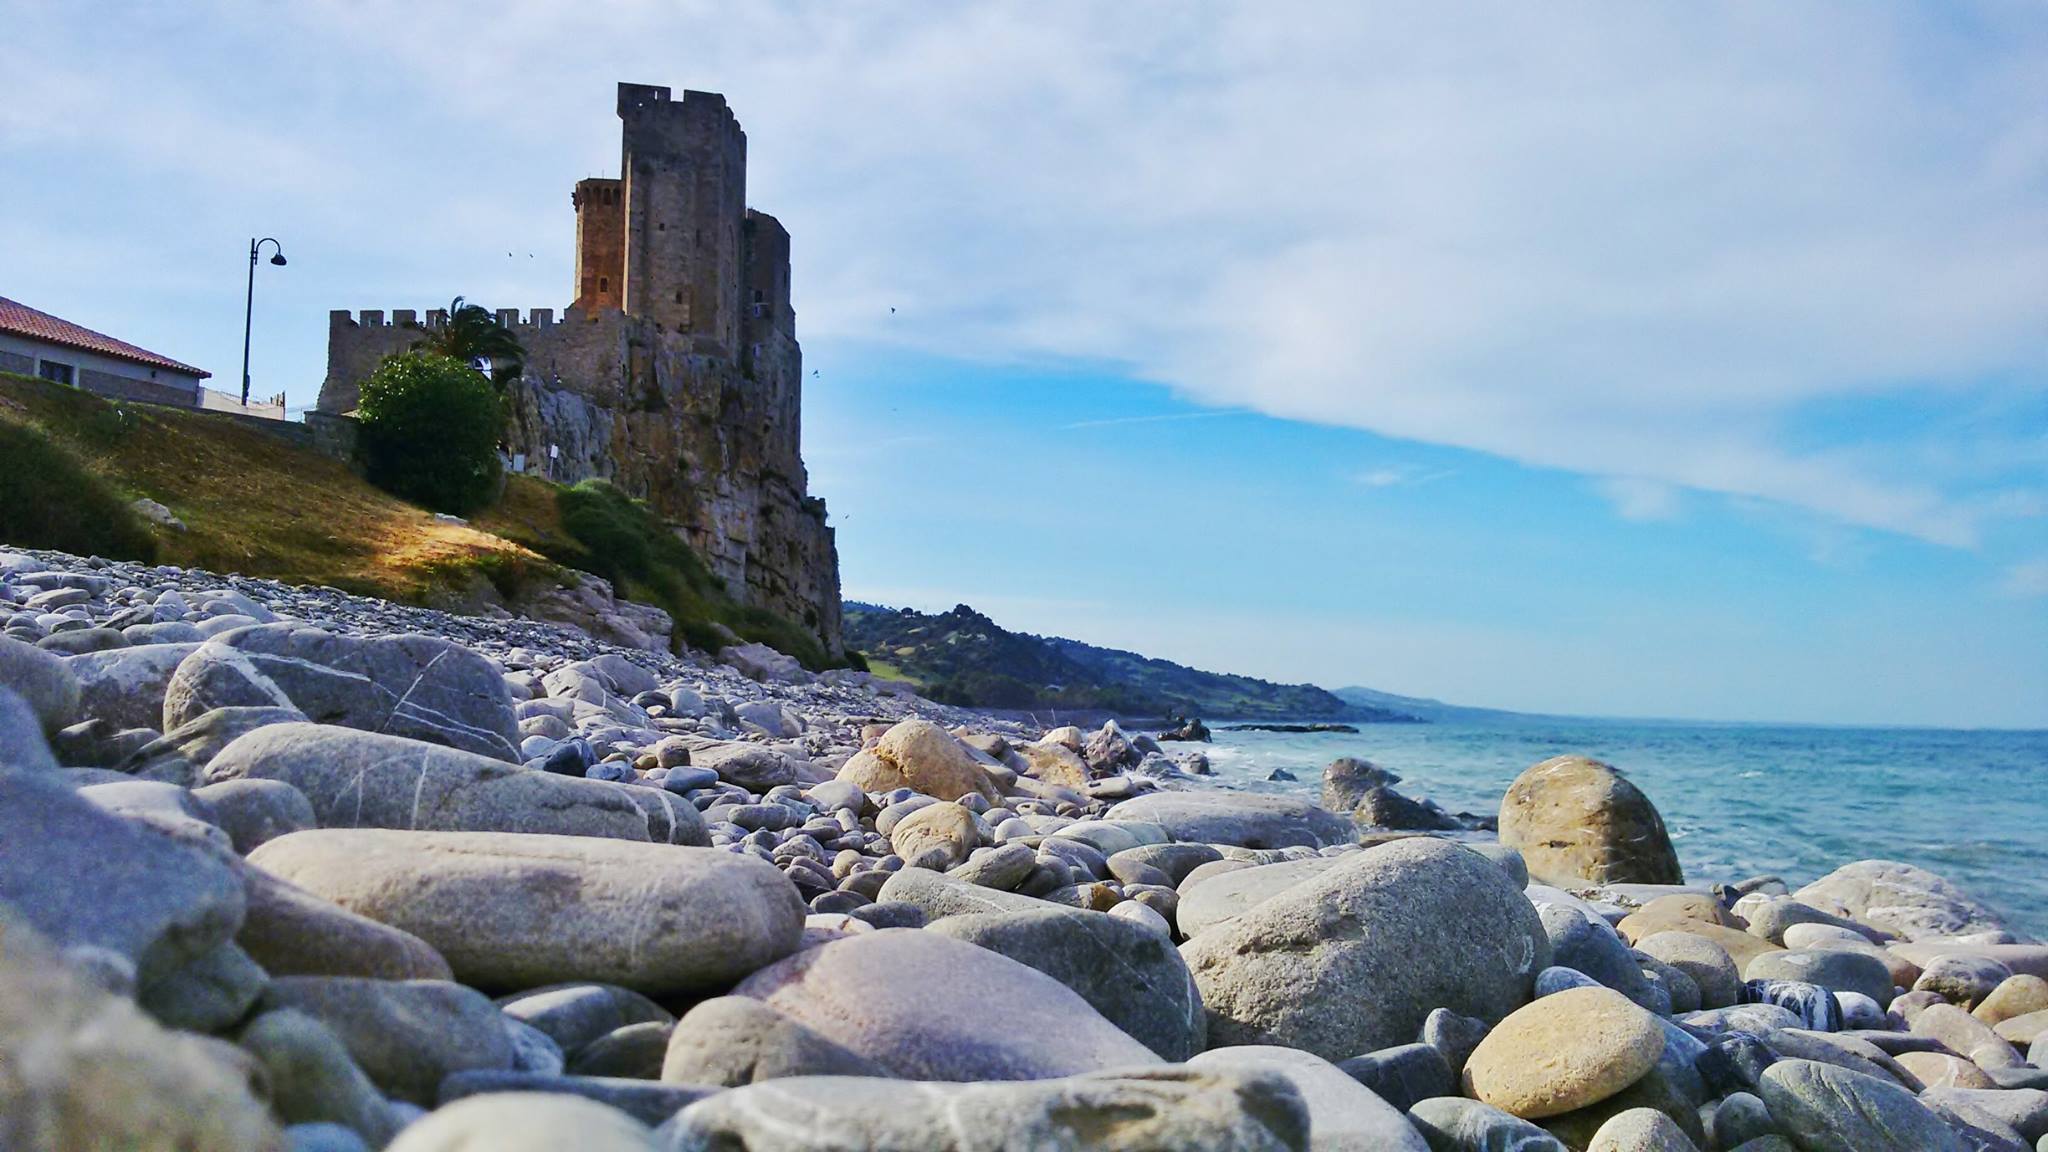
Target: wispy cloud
<point>1400,476</point>
<point>1160,418</point>
<point>1636,498</point>
<point>2027,579</point>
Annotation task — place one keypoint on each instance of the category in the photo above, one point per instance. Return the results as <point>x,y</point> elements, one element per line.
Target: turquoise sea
<point>1739,799</point>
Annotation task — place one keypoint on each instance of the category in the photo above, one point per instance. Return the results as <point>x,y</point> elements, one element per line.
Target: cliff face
<point>708,448</point>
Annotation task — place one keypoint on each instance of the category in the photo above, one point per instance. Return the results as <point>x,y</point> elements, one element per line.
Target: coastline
<point>621,892</point>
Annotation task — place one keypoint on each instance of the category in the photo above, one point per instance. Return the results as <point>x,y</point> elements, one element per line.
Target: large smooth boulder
<point>1129,1111</point>
<point>1344,1115</point>
<point>734,1040</point>
<point>930,1007</point>
<point>81,875</point>
<point>422,687</point>
<point>125,686</point>
<point>42,679</point>
<point>1829,1109</point>
<point>368,780</point>
<point>1577,821</point>
<point>1901,898</point>
<point>512,912</point>
<point>920,755</point>
<point>1129,972</point>
<point>1246,819</point>
<point>81,1068</point>
<point>1233,893</point>
<point>1390,934</point>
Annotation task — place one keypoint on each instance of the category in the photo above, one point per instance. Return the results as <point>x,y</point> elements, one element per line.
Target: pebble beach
<point>286,868</point>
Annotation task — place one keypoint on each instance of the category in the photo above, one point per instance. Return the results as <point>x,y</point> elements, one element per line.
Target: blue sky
<point>1646,359</point>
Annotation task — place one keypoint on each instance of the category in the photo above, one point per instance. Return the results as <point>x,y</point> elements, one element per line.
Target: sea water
<point>1738,799</point>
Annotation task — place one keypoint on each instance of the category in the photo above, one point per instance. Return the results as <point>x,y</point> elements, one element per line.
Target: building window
<point>55,373</point>
<point>604,284</point>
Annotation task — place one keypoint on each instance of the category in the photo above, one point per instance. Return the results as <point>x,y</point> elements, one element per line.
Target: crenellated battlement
<point>532,320</point>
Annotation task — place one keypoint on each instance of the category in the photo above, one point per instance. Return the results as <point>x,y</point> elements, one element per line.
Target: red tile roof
<point>21,320</point>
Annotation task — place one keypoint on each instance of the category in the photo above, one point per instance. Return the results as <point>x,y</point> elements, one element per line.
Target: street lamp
<point>249,306</point>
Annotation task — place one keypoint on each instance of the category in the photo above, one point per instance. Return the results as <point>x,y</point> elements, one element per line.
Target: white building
<point>35,343</point>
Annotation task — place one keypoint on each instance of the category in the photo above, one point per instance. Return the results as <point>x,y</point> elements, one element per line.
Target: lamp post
<point>249,305</point>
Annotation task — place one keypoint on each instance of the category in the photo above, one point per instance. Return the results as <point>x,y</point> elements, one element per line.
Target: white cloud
<point>1639,499</point>
<point>1639,242</point>
<point>2027,579</point>
<point>1400,476</point>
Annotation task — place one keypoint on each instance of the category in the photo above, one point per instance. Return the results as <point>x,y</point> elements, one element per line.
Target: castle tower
<point>768,327</point>
<point>600,244</point>
<point>684,165</point>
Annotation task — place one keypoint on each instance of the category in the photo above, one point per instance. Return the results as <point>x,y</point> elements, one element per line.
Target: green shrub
<point>49,500</point>
<point>430,427</point>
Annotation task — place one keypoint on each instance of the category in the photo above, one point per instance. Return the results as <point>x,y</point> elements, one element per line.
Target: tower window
<point>759,297</point>
<point>604,284</point>
<point>679,297</point>
<point>660,227</point>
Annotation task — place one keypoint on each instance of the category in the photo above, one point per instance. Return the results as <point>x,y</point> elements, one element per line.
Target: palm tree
<point>473,335</point>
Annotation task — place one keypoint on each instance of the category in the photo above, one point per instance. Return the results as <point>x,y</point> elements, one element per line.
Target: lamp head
<point>278,259</point>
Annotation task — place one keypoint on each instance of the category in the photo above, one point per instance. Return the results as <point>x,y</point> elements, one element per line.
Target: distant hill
<point>963,657</point>
<point>1434,711</point>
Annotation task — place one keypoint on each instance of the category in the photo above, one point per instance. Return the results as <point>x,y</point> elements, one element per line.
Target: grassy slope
<point>251,502</point>
<point>256,504</point>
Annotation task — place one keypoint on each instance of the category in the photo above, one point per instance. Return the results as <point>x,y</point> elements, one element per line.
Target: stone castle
<point>675,373</point>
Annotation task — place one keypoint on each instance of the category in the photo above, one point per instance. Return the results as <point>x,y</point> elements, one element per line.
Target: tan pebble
<point>2019,995</point>
<point>1563,1052</point>
<point>1941,1070</point>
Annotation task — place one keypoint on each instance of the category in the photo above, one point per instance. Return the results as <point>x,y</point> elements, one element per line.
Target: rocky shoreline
<point>287,868</point>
